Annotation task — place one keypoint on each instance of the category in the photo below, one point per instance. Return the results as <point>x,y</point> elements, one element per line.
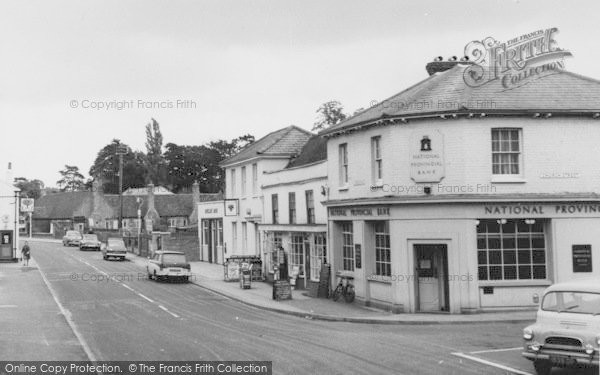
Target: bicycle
<point>344,288</point>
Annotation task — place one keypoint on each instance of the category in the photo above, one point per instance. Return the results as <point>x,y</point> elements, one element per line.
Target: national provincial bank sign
<point>426,159</point>
<point>542,210</point>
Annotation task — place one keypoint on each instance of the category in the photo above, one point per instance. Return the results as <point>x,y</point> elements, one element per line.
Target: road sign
<point>27,204</point>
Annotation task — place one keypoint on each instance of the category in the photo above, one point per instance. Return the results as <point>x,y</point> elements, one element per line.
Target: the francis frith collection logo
<point>515,62</point>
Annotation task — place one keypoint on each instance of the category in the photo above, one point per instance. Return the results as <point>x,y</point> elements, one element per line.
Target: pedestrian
<point>26,254</point>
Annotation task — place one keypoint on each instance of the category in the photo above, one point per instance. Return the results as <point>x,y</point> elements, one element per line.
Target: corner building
<point>451,198</point>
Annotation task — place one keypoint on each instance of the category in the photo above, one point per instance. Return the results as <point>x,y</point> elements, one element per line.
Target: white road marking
<point>3,306</point>
<point>165,309</point>
<point>496,350</point>
<point>144,297</point>
<point>128,287</point>
<point>67,314</point>
<point>493,364</point>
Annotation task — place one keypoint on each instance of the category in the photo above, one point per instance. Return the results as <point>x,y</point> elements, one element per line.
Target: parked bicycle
<point>344,288</point>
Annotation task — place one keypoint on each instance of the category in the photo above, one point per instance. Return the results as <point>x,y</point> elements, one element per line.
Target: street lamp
<point>121,150</point>
<point>139,201</point>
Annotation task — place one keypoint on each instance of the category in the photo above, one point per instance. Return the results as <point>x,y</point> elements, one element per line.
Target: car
<point>71,238</point>
<point>567,329</point>
<point>168,264</point>
<point>89,241</point>
<point>115,248</point>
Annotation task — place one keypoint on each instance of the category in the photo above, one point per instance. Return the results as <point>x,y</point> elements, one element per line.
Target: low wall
<point>186,242</point>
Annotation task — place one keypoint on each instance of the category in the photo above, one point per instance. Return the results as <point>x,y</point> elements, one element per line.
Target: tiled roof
<point>63,205</point>
<point>313,151</point>
<point>166,205</point>
<point>447,92</point>
<point>283,142</point>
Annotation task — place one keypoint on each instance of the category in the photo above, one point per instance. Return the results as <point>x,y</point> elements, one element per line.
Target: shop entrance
<point>6,244</point>
<point>431,277</point>
<point>212,238</point>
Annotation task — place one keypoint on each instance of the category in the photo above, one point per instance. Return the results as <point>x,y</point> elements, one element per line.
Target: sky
<point>76,74</point>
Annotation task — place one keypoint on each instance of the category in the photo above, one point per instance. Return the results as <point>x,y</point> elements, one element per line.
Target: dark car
<point>115,248</point>
<point>71,238</point>
<point>168,264</point>
<point>89,241</point>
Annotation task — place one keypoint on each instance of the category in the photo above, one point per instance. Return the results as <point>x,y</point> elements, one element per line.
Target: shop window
<point>297,254</point>
<point>511,250</point>
<point>318,255</point>
<point>383,263</point>
<point>506,151</point>
<point>347,246</point>
<point>276,241</point>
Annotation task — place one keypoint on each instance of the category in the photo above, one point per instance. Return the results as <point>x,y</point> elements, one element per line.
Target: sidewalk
<point>210,276</point>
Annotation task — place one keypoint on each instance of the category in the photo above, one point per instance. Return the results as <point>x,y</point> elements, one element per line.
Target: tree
<point>155,162</point>
<point>329,114</point>
<point>189,164</point>
<point>72,179</point>
<point>106,168</point>
<point>29,188</point>
<point>227,149</point>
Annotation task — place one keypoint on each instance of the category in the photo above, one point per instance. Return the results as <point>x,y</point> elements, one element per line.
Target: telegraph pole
<point>121,150</point>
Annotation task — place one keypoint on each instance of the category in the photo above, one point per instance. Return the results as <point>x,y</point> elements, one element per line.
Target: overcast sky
<point>249,66</point>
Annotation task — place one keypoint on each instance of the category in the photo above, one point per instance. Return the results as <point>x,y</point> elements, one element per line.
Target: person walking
<point>26,254</point>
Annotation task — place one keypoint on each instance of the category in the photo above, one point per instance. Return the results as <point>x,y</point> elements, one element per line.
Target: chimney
<point>438,64</point>
<point>193,218</point>
<point>9,174</point>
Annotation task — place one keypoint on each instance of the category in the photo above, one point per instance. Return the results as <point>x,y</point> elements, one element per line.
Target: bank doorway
<point>431,277</point>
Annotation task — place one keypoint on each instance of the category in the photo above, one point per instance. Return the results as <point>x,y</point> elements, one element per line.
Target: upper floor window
<point>275,208</point>
<point>506,151</point>
<point>344,164</point>
<point>243,190</point>
<point>376,161</point>
<point>292,205</point>
<point>310,207</point>
<point>254,178</point>
<point>233,183</point>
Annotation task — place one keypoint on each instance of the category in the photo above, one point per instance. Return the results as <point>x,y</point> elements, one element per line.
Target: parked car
<point>71,238</point>
<point>167,265</point>
<point>90,241</point>
<point>115,248</point>
<point>567,329</point>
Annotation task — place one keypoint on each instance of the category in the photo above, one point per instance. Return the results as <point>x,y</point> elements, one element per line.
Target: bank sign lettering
<point>515,62</point>
<point>426,156</point>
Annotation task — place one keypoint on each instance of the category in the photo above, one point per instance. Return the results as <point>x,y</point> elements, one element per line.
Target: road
<point>131,318</point>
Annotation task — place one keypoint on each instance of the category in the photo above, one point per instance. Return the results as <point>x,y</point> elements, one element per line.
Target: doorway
<point>431,277</point>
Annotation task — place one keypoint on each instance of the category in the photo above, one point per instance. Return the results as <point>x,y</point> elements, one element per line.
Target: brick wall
<point>186,242</point>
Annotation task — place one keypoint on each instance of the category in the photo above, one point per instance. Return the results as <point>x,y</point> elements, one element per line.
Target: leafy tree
<point>106,168</point>
<point>155,161</point>
<point>329,114</point>
<point>227,149</point>
<point>72,179</point>
<point>29,188</point>
<point>186,164</point>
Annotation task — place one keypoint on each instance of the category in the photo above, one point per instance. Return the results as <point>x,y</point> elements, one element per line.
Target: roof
<point>284,142</point>
<point>591,285</point>
<point>313,151</point>
<point>447,93</point>
<point>65,205</point>
<point>158,190</point>
<point>166,205</point>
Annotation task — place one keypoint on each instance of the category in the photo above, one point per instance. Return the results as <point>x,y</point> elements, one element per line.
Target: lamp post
<point>139,201</point>
<point>121,150</point>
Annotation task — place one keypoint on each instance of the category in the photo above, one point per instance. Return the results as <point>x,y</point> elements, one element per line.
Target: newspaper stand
<point>245,276</point>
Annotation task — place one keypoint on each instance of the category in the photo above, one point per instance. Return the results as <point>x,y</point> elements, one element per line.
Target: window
<point>244,235</point>
<point>511,249</point>
<point>383,263</point>
<point>275,208</point>
<point>234,236</point>
<point>347,247</point>
<point>344,164</point>
<point>205,232</point>
<point>233,183</point>
<point>506,150</point>
<point>243,190</point>
<point>254,178</point>
<point>376,161</point>
<point>310,207</point>
<point>297,254</point>
<point>292,206</point>
<point>318,255</point>
<point>276,242</point>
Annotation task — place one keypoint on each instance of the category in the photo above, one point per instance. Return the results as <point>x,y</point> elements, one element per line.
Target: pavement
<point>211,276</point>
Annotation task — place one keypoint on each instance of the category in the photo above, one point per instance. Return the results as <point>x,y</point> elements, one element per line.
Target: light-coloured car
<point>115,248</point>
<point>90,241</point>
<point>71,238</point>
<point>167,265</point>
<point>567,329</point>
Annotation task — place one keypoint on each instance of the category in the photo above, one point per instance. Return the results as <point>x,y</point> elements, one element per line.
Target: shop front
<point>463,256</point>
<point>210,217</point>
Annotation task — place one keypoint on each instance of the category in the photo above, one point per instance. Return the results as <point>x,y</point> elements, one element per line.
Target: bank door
<point>431,271</point>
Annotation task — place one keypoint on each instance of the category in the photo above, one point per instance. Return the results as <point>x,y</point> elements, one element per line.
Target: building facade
<point>454,198</point>
<point>9,220</point>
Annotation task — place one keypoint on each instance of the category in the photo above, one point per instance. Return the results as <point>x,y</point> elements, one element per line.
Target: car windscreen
<point>73,233</point>
<point>90,237</point>
<point>116,244</point>
<point>572,302</point>
<point>174,258</point>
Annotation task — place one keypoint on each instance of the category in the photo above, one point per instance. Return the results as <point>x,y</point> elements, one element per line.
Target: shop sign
<point>568,209</point>
<point>232,207</point>
<point>582,258</point>
<point>359,211</point>
<point>211,210</point>
<point>426,156</point>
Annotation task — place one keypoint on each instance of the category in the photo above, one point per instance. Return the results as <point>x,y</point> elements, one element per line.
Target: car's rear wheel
<point>542,367</point>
